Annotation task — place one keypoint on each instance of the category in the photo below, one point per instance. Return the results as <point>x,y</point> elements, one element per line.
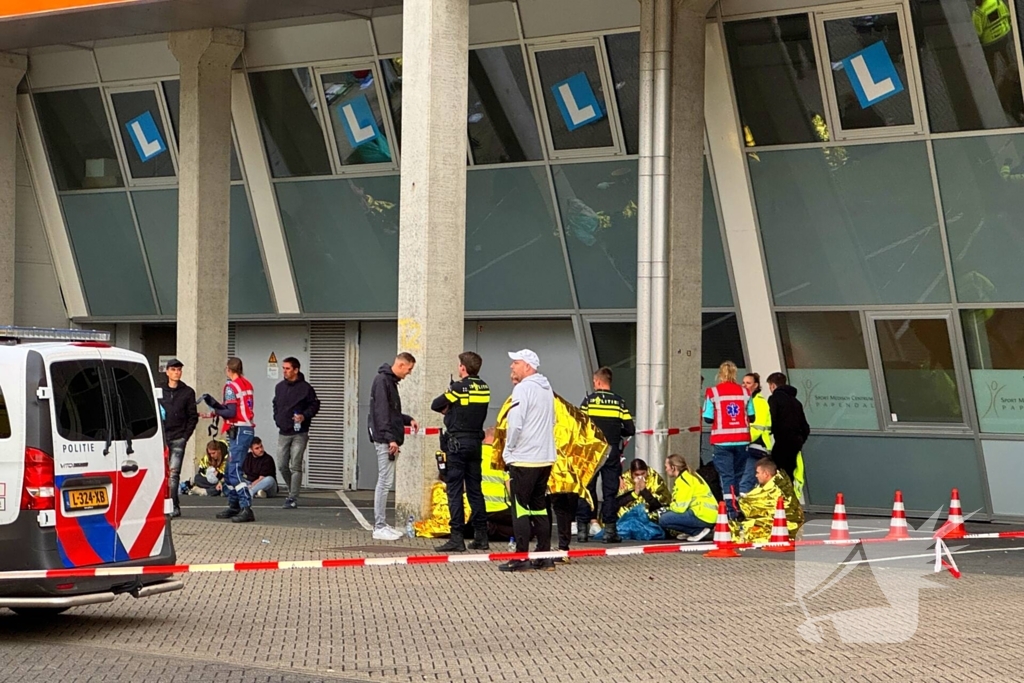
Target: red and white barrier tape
<point>449,559</point>
<point>672,431</point>
<point>428,431</point>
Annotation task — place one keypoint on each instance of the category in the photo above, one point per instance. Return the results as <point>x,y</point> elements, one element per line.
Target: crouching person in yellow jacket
<point>758,505</point>
<point>437,525</point>
<point>693,510</point>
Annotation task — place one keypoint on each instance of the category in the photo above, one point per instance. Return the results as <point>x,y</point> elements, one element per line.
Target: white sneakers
<point>697,536</point>
<point>387,534</point>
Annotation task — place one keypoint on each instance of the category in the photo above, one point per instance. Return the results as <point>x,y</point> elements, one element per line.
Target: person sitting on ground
<point>644,487</point>
<point>438,524</point>
<point>758,505</point>
<point>209,479</point>
<point>259,471</point>
<point>693,510</point>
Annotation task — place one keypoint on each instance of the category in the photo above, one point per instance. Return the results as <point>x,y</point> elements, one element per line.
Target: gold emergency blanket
<point>581,448</point>
<point>758,506</point>
<point>438,524</point>
<point>655,484</point>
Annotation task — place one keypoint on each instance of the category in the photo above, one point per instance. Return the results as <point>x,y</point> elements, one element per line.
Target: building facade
<point>860,231</point>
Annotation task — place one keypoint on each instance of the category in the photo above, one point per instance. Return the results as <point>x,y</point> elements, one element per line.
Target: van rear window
<point>138,404</point>
<point>5,418</point>
<point>78,400</point>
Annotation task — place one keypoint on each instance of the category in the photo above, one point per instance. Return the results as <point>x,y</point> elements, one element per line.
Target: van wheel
<point>38,612</point>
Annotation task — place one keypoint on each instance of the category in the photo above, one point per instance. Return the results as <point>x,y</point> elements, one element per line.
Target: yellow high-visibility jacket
<point>991,21</point>
<point>761,427</point>
<point>691,492</point>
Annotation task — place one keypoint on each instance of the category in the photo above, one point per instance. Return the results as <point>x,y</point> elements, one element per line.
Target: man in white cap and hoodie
<point>529,455</point>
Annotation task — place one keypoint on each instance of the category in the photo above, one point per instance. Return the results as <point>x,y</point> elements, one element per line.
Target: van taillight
<point>38,489</point>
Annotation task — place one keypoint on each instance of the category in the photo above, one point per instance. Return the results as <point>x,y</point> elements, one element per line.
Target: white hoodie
<point>531,423</point>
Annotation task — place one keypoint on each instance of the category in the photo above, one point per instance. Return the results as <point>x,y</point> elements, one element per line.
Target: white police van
<point>83,469</point>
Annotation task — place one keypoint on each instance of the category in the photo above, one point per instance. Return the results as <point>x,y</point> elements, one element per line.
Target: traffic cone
<point>780,531</point>
<point>724,547</point>
<point>840,529</point>
<point>954,526</point>
<point>898,524</point>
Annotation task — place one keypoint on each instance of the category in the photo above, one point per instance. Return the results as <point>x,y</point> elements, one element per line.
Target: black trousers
<point>784,455</point>
<point>565,507</point>
<point>499,526</point>
<point>463,474</point>
<point>530,517</point>
<point>610,473</point>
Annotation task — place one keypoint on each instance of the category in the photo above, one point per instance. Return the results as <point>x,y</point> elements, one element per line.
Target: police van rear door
<point>140,473</point>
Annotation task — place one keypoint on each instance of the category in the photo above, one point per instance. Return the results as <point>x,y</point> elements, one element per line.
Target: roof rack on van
<point>12,334</point>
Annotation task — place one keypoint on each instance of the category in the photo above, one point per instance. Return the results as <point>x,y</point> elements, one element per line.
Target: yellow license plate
<point>87,499</point>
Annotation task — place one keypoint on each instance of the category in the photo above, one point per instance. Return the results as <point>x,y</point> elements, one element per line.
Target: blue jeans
<point>731,463</point>
<point>749,478</point>
<point>267,484</point>
<point>175,456</point>
<point>237,490</point>
<point>684,522</point>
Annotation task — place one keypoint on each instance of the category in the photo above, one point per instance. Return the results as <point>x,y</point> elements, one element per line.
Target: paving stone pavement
<point>650,618</point>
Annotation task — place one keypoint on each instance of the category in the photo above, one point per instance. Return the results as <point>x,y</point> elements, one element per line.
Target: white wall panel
<point>492,23</point>
<point>546,18</point>
<point>387,30</point>
<point>61,68</point>
<point>132,61</point>
<point>308,43</point>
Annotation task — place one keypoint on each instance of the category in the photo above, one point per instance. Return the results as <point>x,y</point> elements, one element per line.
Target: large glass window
<point>981,182</point>
<point>850,225</point>
<point>775,75</point>
<point>615,346</point>
<point>172,94</point>
<point>574,98</point>
<point>391,69</point>
<point>502,127</point>
<point>598,206</point>
<point>356,118</point>
<point>995,351</point>
<point>77,134</point>
<point>514,259</point>
<point>141,127</point>
<point>869,93</point>
<point>920,378</point>
<point>716,285</point>
<point>826,362</point>
<point>624,59</point>
<point>108,253</point>
<point>288,106</point>
<point>969,64</point>
<point>157,211</point>
<point>133,403</point>
<point>343,241</point>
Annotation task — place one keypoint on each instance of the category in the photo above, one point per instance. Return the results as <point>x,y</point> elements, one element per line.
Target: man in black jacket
<point>295,405</point>
<point>178,406</point>
<point>387,424</point>
<point>789,425</point>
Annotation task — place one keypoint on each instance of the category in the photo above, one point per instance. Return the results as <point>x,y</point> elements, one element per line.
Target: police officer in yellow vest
<point>465,409</point>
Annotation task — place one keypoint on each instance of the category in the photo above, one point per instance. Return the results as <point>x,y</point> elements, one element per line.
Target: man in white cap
<point>529,454</point>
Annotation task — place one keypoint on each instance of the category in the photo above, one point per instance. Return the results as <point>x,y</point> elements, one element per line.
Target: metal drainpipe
<point>660,197</point>
<point>644,418</point>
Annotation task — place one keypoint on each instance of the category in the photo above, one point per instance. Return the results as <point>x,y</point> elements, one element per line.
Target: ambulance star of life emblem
<point>732,409</point>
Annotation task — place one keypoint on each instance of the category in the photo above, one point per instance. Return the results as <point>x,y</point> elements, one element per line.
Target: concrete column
<point>12,70</point>
<point>431,253</point>
<point>685,257</point>
<point>204,179</point>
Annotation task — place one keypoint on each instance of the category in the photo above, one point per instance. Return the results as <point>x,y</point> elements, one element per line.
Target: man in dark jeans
<point>465,409</point>
<point>178,406</point>
<point>295,405</point>
<point>789,425</point>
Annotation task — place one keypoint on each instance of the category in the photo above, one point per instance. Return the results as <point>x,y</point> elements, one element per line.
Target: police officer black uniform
<point>465,409</point>
<point>609,412</point>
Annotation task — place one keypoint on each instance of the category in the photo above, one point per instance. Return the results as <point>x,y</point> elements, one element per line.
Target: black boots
<point>480,541</point>
<point>582,532</point>
<point>611,535</point>
<point>229,512</point>
<point>455,544</point>
<point>244,515</point>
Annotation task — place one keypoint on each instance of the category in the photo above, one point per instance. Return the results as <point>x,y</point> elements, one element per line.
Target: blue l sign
<point>358,122</point>
<point>577,102</point>
<point>872,75</point>
<point>146,136</point>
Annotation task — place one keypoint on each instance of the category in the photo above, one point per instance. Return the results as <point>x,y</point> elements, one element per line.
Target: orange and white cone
<point>779,541</point>
<point>724,547</point>
<point>840,528</point>
<point>898,525</point>
<point>954,526</point>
